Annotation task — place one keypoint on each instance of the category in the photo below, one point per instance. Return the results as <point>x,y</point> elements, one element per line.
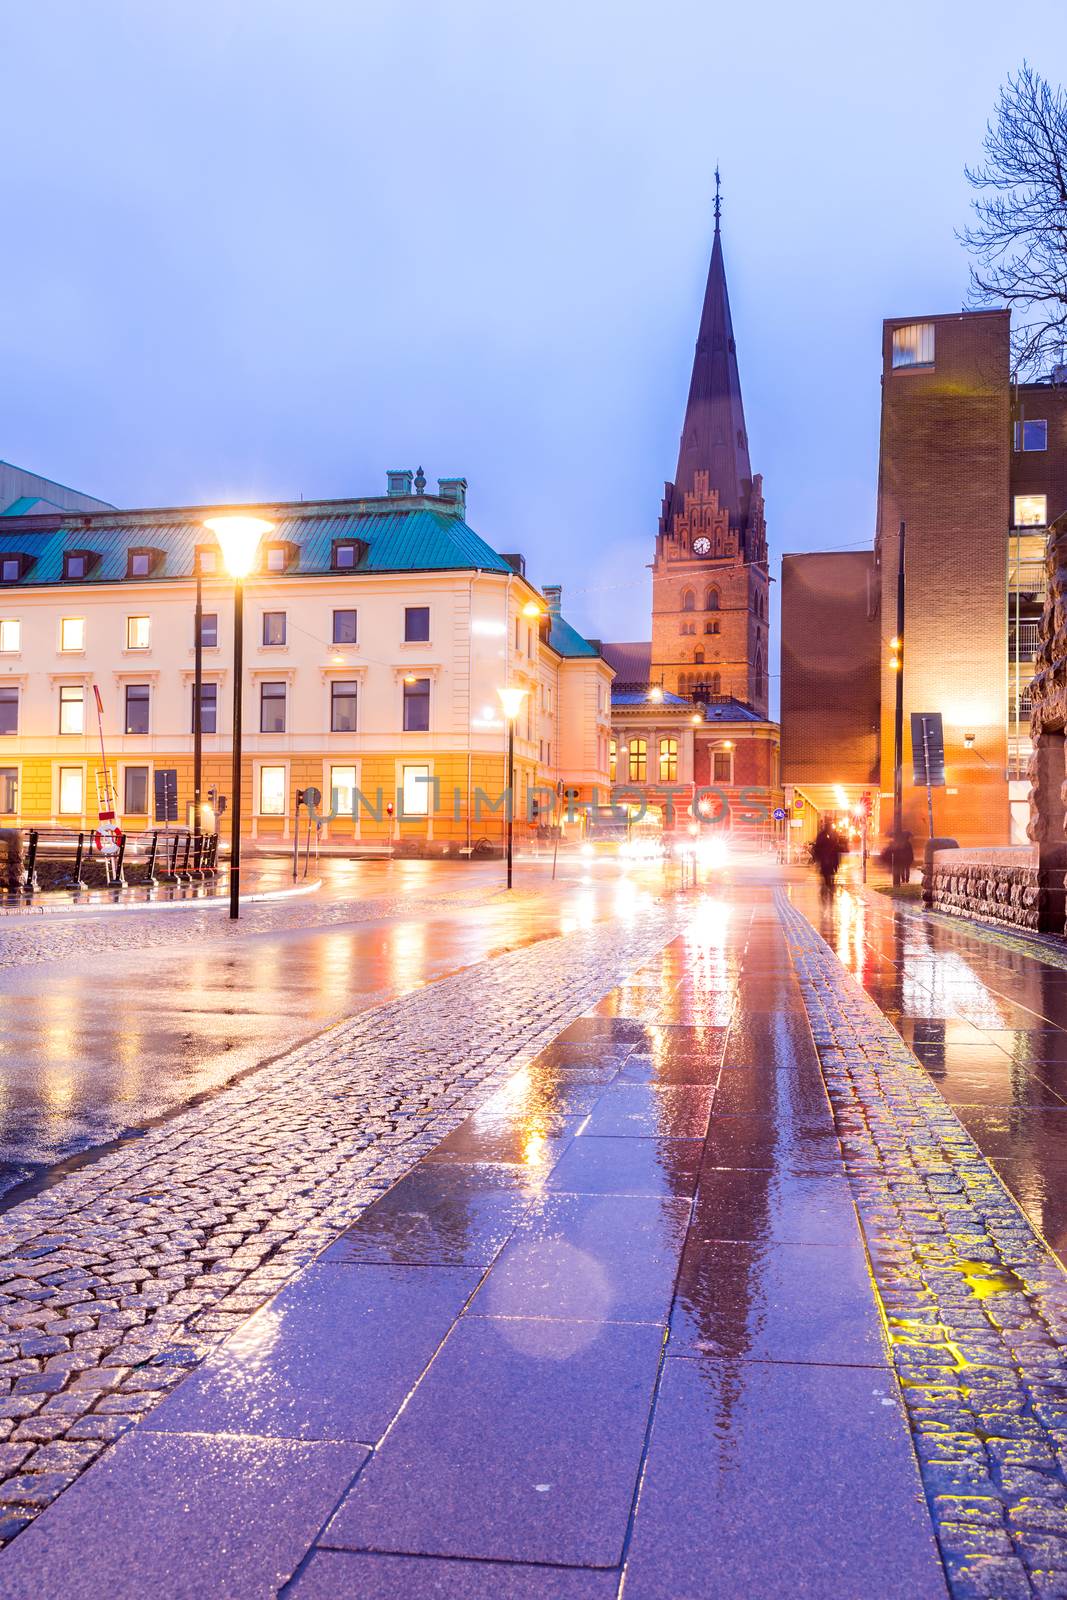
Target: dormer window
<point>141,563</point>
<point>277,557</point>
<point>12,568</point>
<point>345,554</point>
<point>207,559</point>
<point>78,563</point>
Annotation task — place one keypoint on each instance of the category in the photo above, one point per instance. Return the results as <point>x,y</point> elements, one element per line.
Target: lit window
<point>1031,511</point>
<point>1031,434</point>
<point>417,706</point>
<point>9,709</point>
<point>272,791</point>
<point>343,707</point>
<point>415,789</point>
<point>135,792</point>
<point>417,625</point>
<point>72,633</point>
<point>668,760</point>
<point>343,791</point>
<point>10,636</point>
<point>913,346</point>
<point>138,633</point>
<point>344,627</point>
<point>72,710</point>
<point>209,707</point>
<point>638,760</point>
<point>272,708</point>
<point>273,627</point>
<point>209,630</point>
<point>137,705</point>
<point>11,569</point>
<point>71,791</point>
<point>9,790</point>
<point>613,759</point>
<point>722,766</point>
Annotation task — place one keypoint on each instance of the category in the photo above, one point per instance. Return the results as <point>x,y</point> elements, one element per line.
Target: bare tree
<point>1020,238</point>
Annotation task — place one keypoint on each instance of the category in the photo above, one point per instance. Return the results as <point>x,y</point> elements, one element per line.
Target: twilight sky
<point>259,248</point>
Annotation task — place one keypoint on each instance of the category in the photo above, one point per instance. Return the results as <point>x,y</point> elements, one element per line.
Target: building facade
<point>377,633</point>
<point>693,701</point>
<point>975,467</point>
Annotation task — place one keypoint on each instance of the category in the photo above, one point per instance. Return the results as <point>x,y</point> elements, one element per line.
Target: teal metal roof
<point>27,503</point>
<point>410,538</point>
<point>567,641</point>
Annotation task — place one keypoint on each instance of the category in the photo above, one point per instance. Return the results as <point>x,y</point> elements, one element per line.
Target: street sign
<point>928,749</point>
<point>779,814</point>
<point>166,783</point>
<point>798,803</point>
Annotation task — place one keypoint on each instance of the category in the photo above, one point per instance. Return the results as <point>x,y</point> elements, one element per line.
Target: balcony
<point>1023,640</point>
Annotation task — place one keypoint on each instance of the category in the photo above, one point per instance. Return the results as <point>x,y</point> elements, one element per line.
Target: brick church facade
<point>693,701</point>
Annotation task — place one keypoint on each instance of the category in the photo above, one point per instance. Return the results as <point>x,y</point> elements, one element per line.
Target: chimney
<point>553,593</point>
<point>517,563</point>
<point>454,490</point>
<point>399,483</point>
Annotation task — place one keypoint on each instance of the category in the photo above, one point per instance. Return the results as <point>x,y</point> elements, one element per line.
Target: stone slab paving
<point>593,1384</point>
<point>975,1304</point>
<point>128,1271</point>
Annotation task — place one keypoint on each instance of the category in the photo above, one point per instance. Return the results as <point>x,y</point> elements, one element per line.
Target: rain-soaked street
<point>113,1019</point>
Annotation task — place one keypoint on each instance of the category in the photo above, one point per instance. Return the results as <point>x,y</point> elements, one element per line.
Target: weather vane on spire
<point>718,201</point>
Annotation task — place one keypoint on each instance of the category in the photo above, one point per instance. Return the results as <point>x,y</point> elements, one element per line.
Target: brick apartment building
<point>975,466</point>
<point>689,706</point>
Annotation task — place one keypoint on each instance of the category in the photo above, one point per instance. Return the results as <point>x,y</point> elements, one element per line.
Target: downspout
<point>470,699</point>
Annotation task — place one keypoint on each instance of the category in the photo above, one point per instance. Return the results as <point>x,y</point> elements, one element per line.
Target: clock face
<point>701,546</point>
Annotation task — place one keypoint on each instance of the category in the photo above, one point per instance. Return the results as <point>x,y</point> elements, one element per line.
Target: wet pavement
<point>111,1020</point>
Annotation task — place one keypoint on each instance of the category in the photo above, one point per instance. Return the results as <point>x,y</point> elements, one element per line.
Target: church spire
<point>714,439</point>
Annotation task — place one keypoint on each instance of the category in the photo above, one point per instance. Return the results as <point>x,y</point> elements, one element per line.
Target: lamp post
<point>238,538</point>
<point>511,700</point>
<point>198,682</point>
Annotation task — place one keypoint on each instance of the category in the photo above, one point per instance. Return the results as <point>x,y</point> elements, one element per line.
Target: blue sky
<point>256,249</point>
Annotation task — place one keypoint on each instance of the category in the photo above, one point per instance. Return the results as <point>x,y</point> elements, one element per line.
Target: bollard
<point>29,883</point>
<point>120,876</point>
<point>150,870</point>
<point>76,880</point>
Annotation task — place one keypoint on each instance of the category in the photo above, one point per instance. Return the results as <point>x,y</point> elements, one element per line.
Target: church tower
<point>709,577</point>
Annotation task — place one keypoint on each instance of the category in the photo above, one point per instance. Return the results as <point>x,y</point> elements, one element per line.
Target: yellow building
<point>376,635</point>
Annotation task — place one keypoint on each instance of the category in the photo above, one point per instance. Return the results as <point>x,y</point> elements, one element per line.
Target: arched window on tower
<point>698,657</point>
<point>689,601</point>
<point>716,683</point>
<point>712,601</point>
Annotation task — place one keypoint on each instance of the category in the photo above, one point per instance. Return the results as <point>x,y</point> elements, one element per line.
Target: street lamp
<point>511,702</point>
<point>238,538</point>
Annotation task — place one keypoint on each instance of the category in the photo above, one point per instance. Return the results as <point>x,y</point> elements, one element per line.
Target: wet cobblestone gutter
<point>127,1272</point>
<point>975,1304</point>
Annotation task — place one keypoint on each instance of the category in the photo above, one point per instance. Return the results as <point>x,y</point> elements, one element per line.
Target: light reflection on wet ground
<point>99,1043</point>
<point>987,1017</point>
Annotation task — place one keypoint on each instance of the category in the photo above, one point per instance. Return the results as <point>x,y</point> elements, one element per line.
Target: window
<point>137,704</point>
<point>417,625</point>
<point>272,708</point>
<point>277,558</point>
<point>712,601</point>
<point>138,633</point>
<point>11,569</point>
<point>273,627</point>
<point>135,792</point>
<point>10,636</point>
<point>71,791</point>
<point>209,707</point>
<point>343,707</point>
<point>711,627</point>
<point>343,791</point>
<point>9,790</point>
<point>344,627</point>
<point>139,563</point>
<point>638,760</point>
<point>913,346</point>
<point>72,710</point>
<point>207,559</point>
<point>344,556</point>
<point>1031,434</point>
<point>209,630</point>
<point>9,709</point>
<point>698,658</point>
<point>415,790</point>
<point>668,761</point>
<point>272,791</point>
<point>72,633</point>
<point>417,705</point>
<point>716,683</point>
<point>1031,511</point>
<point>689,601</point>
<point>76,564</point>
<point>613,760</point>
<point>722,766</point>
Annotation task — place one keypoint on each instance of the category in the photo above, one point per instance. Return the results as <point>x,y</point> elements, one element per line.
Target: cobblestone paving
<point>128,1271</point>
<point>975,1304</point>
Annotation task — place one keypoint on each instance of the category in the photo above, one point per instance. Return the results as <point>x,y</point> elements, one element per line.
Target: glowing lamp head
<point>655,694</point>
<point>968,741</point>
<point>696,719</point>
<point>238,538</point>
<point>511,701</point>
<point>532,609</point>
<point>728,744</point>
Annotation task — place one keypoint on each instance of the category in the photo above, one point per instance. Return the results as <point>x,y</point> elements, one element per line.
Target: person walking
<point>826,853</point>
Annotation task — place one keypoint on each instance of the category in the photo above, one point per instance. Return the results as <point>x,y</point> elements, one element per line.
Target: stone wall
<point>996,885</point>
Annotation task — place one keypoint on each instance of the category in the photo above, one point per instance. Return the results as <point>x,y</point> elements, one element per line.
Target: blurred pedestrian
<point>826,853</point>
